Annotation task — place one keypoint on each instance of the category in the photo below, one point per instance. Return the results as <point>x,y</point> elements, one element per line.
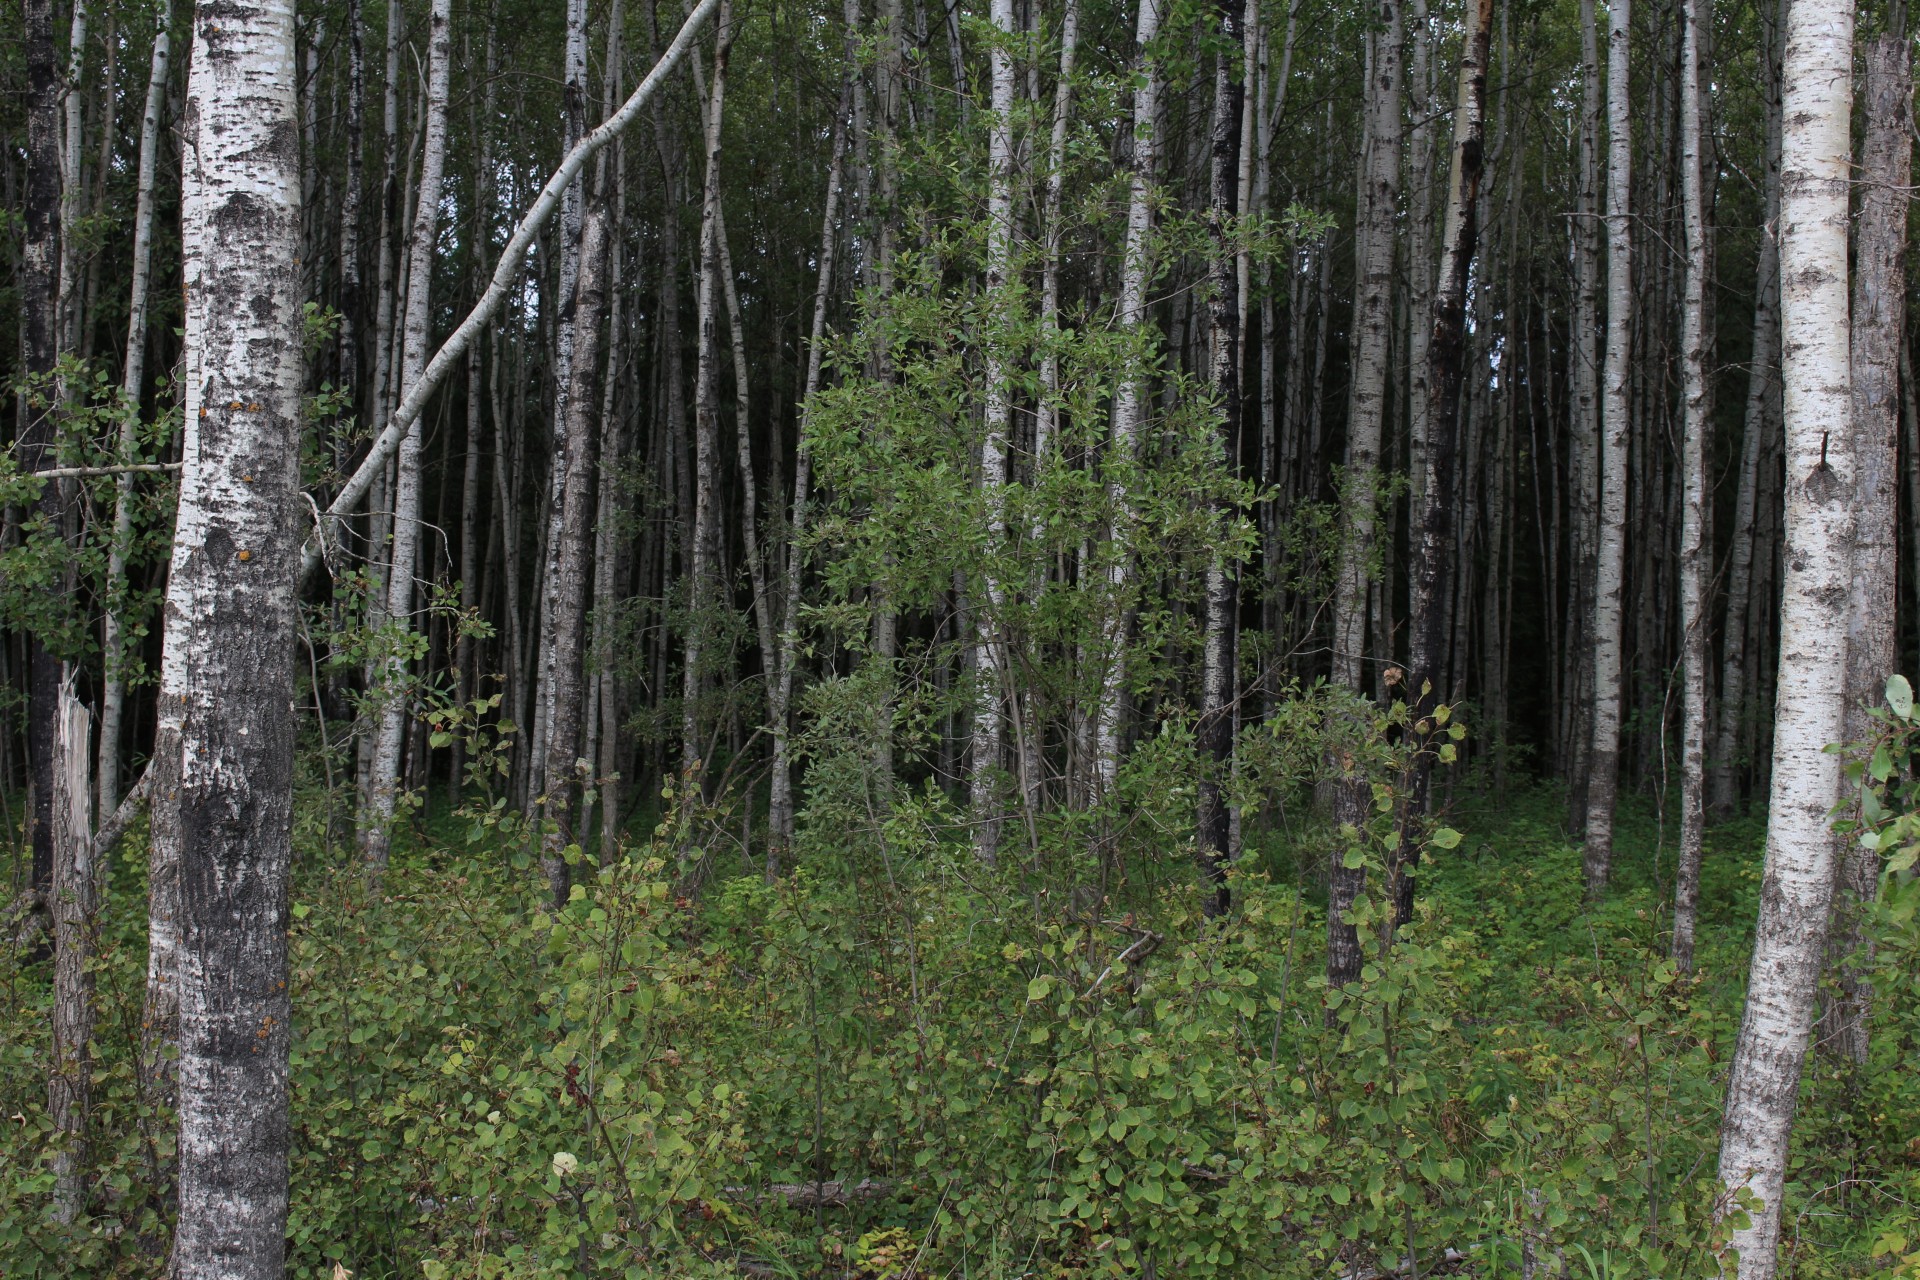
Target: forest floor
<point>993,1075</point>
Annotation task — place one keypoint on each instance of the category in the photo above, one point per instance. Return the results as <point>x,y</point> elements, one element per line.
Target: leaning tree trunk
<point>1129,401</point>
<point>1366,422</point>
<point>113,647</point>
<point>1879,327</point>
<point>1446,352</point>
<point>1696,515</point>
<point>990,598</point>
<point>395,696</point>
<point>1810,715</point>
<point>230,631</point>
<point>1603,757</point>
<point>1213,729</point>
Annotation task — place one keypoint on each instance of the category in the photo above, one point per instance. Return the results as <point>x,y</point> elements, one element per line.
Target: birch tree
<point>1696,542</point>
<point>228,681</point>
<point>1366,414</point>
<point>395,696</point>
<point>1797,884</point>
<point>1603,757</point>
<point>1879,329</point>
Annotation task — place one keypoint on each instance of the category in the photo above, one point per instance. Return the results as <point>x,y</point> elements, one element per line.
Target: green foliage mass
<point>1045,1073</point>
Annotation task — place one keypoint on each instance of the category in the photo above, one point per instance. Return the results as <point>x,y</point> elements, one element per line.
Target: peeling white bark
<point>226,699</point>
<point>1815,150</point>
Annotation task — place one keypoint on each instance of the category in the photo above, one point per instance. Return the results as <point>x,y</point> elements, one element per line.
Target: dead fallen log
<point>833,1194</point>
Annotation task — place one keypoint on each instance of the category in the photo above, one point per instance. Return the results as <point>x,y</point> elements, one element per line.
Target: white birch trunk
<point>1696,529</point>
<point>396,697</point>
<point>1129,401</point>
<point>227,681</point>
<point>1603,756</point>
<point>1796,889</point>
<point>988,718</point>
<point>1879,329</point>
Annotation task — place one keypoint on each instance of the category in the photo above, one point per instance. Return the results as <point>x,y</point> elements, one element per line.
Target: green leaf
<point>1038,988</point>
<point>1900,696</point>
<point>1445,838</point>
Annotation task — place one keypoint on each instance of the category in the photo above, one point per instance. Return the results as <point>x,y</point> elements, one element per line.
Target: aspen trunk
<point>570,560</point>
<point>1446,354</point>
<point>113,695</point>
<point>1583,452</point>
<point>701,592</point>
<point>1213,729</point>
<point>1603,757</point>
<point>1879,328</point>
<point>1763,391</point>
<point>395,690</point>
<point>1366,422</point>
<point>1696,515</point>
<point>1797,886</point>
<point>1130,398</point>
<point>988,720</point>
<point>228,684</point>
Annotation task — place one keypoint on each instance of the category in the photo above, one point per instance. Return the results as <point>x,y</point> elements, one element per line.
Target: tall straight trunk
<point>1047,410</point>
<point>73,907</point>
<point>1366,423</point>
<point>1797,885</point>
<point>1763,390</point>
<point>230,631</point>
<point>1696,514</point>
<point>702,592</point>
<point>73,202</point>
<point>37,283</point>
<point>573,98</point>
<point>1603,757</point>
<point>780,815</point>
<point>1446,348</point>
<point>351,301</point>
<point>113,695</point>
<point>1879,329</point>
<point>1213,729</point>
<point>609,568</point>
<point>570,559</point>
<point>990,598</point>
<point>1583,453</point>
<point>395,695</point>
<point>1130,397</point>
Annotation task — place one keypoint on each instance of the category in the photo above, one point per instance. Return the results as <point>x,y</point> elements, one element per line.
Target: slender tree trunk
<point>1603,759</point>
<point>780,815</point>
<point>1213,730</point>
<point>40,327</point>
<point>1763,390</point>
<point>1130,398</point>
<point>1797,885</point>
<point>1879,329</point>
<point>1366,422</point>
<point>73,908</point>
<point>1446,354</point>
<point>395,692</point>
<point>1696,514</point>
<point>230,629</point>
<point>113,696</point>
<point>73,206</point>
<point>1584,429</point>
<point>702,593</point>
<point>989,674</point>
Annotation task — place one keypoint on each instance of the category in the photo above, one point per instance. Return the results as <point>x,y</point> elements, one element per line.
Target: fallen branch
<point>506,276</point>
<point>84,473</point>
